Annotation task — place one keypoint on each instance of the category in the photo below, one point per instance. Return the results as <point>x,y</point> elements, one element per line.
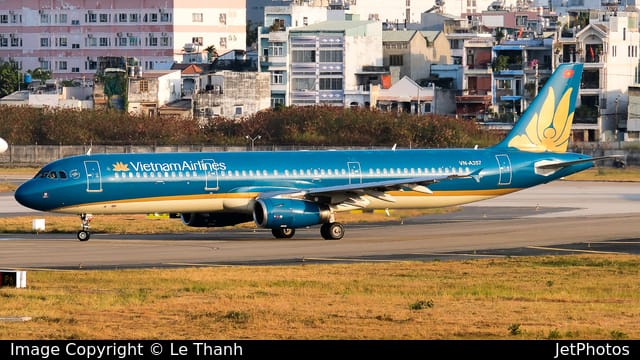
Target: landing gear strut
<point>84,234</point>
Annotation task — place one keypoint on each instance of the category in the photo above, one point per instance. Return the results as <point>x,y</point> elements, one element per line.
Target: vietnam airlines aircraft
<point>283,191</point>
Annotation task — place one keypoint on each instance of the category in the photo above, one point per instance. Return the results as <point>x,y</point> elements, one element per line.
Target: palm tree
<point>211,52</point>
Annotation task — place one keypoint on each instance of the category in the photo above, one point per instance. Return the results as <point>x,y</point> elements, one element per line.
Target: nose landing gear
<point>84,234</point>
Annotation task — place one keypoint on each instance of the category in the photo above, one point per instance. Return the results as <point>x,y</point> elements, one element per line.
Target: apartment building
<point>607,43</point>
<point>66,37</point>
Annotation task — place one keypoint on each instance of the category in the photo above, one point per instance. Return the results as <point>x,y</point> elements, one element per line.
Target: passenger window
<point>52,175</point>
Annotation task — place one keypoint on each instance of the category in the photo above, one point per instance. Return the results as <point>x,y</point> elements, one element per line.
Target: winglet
<point>546,123</point>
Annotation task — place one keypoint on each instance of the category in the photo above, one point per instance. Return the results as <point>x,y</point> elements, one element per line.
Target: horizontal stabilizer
<point>547,167</point>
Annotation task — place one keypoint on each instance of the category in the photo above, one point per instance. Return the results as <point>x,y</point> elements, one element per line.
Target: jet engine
<point>214,219</point>
<point>275,213</point>
<point>3,145</point>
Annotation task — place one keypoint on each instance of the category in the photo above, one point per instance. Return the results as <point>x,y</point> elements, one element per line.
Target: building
<point>334,62</point>
<point>413,52</point>
<point>607,43</point>
<point>67,36</point>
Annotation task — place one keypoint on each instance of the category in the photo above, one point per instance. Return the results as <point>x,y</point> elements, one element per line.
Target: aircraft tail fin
<point>546,124</point>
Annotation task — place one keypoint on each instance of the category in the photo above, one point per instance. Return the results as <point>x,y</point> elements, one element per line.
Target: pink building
<point>67,36</point>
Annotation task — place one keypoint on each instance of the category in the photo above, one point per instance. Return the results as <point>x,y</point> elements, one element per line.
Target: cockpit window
<point>51,175</point>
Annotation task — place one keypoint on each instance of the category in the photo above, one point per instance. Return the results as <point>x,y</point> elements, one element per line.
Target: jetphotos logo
<point>200,165</point>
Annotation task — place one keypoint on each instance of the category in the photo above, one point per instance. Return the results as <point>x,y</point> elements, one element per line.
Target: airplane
<point>3,145</point>
<point>287,190</point>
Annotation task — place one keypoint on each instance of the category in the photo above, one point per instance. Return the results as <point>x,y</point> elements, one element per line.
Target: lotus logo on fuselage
<point>120,166</point>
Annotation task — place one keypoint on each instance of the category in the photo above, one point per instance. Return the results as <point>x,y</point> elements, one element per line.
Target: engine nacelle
<point>214,219</point>
<point>275,213</point>
<point>3,145</point>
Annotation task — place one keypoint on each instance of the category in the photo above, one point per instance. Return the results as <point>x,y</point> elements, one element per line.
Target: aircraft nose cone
<point>27,196</point>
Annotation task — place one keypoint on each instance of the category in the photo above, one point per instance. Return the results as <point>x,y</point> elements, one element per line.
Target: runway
<point>562,217</point>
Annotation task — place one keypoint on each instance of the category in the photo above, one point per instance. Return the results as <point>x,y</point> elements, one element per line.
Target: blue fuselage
<point>230,181</point>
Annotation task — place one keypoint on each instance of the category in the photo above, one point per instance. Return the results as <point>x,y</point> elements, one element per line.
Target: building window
<point>144,86</point>
<point>301,84</point>
<point>164,41</point>
<point>276,49</point>
<point>164,17</point>
<point>62,42</point>
<point>44,64</point>
<point>153,17</point>
<point>504,84</point>
<point>238,110</point>
<point>134,18</point>
<point>122,41</point>
<point>4,19</point>
<point>334,56</point>
<point>223,18</point>
<point>4,42</point>
<point>75,46</point>
<point>92,65</point>
<point>396,60</point>
<point>75,69</point>
<point>62,18</point>
<point>16,42</point>
<point>197,41</point>
<point>196,17</point>
<point>45,18</point>
<point>104,18</point>
<point>104,41</point>
<point>153,41</point>
<point>122,17</point>
<point>305,21</point>
<point>92,42</point>
<point>330,84</point>
<point>303,56</point>
<point>62,65</point>
<point>91,17</point>
<point>44,42</point>
<point>223,42</point>
<point>277,77</point>
<point>133,41</point>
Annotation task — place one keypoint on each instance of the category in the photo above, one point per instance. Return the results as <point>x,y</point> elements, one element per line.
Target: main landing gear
<point>329,231</point>
<point>84,234</point>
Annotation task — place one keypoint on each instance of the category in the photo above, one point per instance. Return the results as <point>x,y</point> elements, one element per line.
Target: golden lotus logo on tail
<point>549,129</point>
<point>120,166</point>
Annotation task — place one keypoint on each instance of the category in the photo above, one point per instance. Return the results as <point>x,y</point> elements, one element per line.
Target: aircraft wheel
<point>83,235</point>
<point>332,231</point>
<point>283,233</point>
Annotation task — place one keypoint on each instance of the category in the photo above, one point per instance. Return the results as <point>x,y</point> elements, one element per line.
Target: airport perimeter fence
<point>38,155</point>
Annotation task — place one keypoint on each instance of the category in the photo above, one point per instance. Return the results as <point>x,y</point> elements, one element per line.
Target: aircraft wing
<point>354,195</point>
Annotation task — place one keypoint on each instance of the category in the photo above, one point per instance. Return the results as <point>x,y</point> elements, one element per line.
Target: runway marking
<point>575,250</point>
<point>613,242</point>
<point>197,264</point>
<point>344,259</point>
<point>458,254</point>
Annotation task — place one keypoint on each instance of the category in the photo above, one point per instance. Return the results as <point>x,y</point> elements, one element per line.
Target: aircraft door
<point>355,173</point>
<point>94,177</point>
<point>211,175</point>
<point>504,167</point>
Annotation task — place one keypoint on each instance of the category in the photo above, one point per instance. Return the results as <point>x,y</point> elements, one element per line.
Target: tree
<point>252,34</point>
<point>499,35</point>
<point>40,74</point>
<point>10,79</point>
<point>211,52</point>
